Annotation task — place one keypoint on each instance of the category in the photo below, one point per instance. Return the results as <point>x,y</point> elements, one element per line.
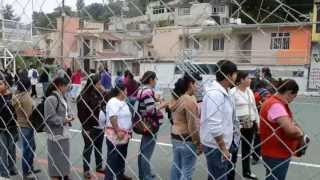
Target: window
<point>169,10</point>
<point>184,11</point>
<point>193,43</point>
<point>158,10</point>
<point>136,68</point>
<point>218,10</point>
<point>280,40</point>
<point>218,44</point>
<point>196,43</point>
<point>108,44</point>
<point>297,73</point>
<point>48,44</point>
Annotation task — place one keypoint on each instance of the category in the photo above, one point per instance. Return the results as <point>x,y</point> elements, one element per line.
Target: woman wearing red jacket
<point>280,135</point>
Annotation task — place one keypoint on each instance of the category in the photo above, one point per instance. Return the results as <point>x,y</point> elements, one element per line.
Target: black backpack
<point>37,116</point>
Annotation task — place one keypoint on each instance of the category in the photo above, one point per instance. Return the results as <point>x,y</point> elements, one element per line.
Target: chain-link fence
<point>139,89</point>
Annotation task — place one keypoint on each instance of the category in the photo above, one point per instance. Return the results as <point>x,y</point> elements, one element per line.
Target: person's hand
<point>226,155</point>
<point>199,149</point>
<point>157,97</point>
<point>120,135</point>
<point>68,120</point>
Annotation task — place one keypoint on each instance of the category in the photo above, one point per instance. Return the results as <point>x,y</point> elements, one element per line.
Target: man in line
<point>217,121</point>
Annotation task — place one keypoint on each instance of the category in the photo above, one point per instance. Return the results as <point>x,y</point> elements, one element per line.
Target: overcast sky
<point>24,8</point>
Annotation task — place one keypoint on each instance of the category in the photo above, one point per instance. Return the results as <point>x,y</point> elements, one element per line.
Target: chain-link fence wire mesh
<point>93,47</point>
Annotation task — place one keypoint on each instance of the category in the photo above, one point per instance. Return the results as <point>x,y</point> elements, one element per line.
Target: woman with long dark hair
<point>185,132</point>
<point>88,105</point>
<point>118,132</point>
<point>57,120</point>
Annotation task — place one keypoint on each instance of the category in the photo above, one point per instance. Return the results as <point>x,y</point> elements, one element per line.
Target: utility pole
<point>62,32</point>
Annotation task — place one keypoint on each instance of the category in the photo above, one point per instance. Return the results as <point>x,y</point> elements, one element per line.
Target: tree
<point>49,20</point>
<point>80,5</point>
<point>8,13</point>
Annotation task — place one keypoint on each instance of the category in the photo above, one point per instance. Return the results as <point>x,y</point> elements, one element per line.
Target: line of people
<point>214,123</point>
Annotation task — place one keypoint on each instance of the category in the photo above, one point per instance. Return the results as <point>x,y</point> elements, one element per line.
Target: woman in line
<point>247,113</point>
<point>23,104</point>
<point>148,110</point>
<point>185,132</point>
<point>118,132</point>
<point>280,134</point>
<point>58,118</point>
<point>88,105</point>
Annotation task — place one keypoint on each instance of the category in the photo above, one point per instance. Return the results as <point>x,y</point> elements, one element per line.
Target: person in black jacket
<point>8,128</point>
<point>88,104</point>
<point>45,80</point>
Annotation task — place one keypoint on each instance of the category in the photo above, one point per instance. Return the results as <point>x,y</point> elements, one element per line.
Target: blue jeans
<point>218,167</point>
<point>184,160</point>
<point>276,169</point>
<point>115,160</point>
<point>7,153</point>
<point>28,149</point>
<point>148,143</point>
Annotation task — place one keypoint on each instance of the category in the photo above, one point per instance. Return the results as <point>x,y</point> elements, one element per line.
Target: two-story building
<point>50,42</point>
<point>314,76</point>
<point>116,50</point>
<point>285,48</point>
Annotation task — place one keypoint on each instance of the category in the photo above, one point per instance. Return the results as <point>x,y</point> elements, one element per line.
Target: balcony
<point>267,57</point>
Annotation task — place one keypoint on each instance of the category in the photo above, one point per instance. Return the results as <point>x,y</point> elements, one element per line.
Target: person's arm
<point>215,118</point>
<point>149,101</point>
<point>50,114</point>
<point>113,110</point>
<point>253,103</point>
<point>192,119</point>
<point>289,127</point>
<point>277,113</point>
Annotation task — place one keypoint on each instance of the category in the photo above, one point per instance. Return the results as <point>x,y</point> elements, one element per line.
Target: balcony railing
<point>248,56</point>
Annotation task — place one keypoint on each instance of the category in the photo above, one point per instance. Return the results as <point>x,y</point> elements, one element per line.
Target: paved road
<point>306,112</point>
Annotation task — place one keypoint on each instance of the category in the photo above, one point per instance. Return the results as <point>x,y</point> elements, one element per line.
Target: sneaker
<point>87,175</point>
<point>250,176</point>
<point>124,177</point>
<point>30,176</point>
<point>100,170</point>
<point>36,171</point>
<point>13,172</point>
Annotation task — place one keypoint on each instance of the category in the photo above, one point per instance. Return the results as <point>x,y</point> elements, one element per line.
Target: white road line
<point>170,145</point>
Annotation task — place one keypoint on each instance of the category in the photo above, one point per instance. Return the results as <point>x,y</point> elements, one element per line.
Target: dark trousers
<point>93,139</point>
<point>246,146</point>
<point>33,91</point>
<point>232,166</point>
<point>256,144</point>
<point>116,160</point>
